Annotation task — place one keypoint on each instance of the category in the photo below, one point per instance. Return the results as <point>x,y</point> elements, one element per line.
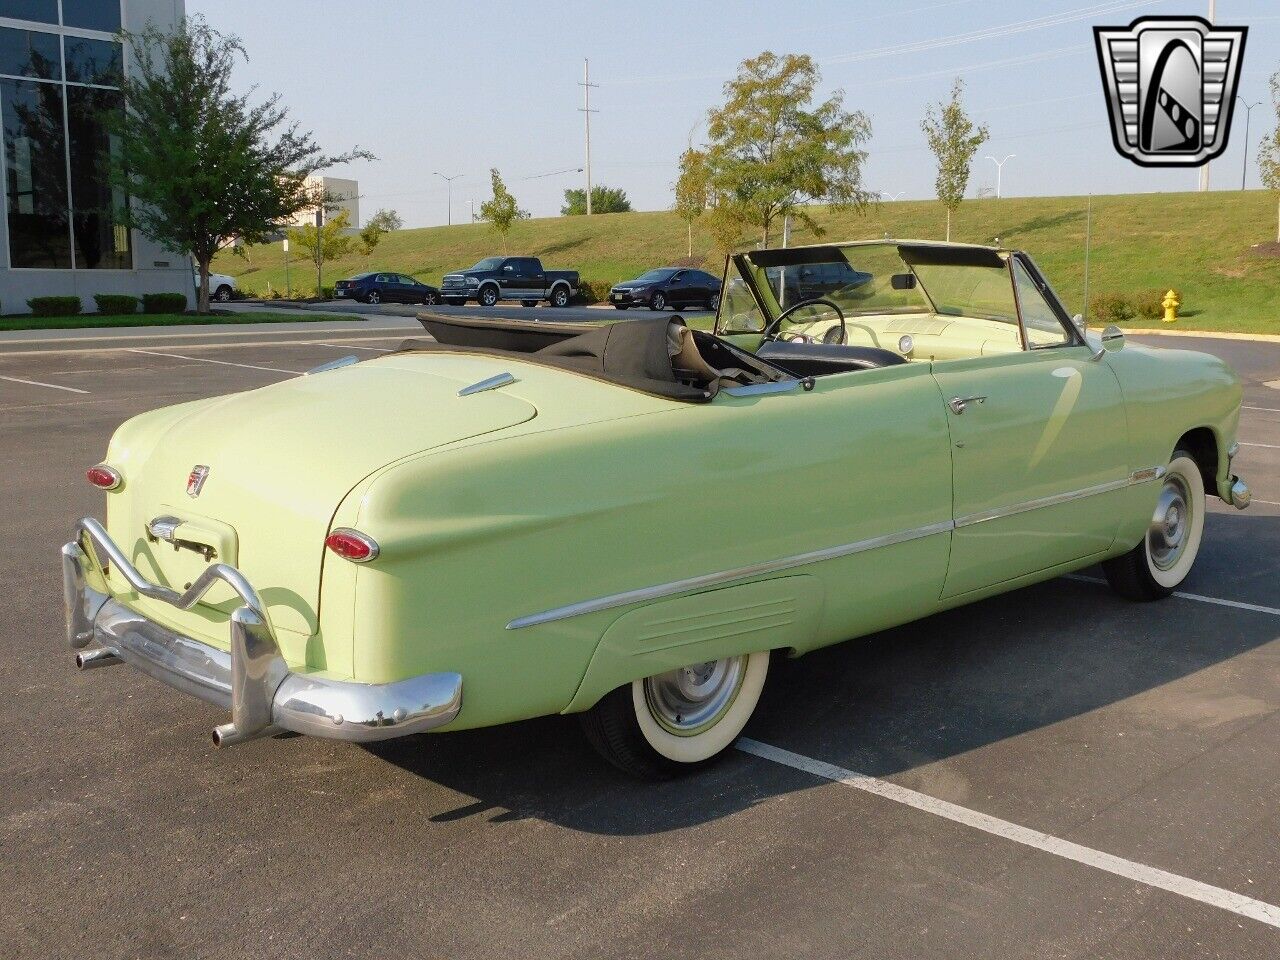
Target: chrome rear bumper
<point>252,679</point>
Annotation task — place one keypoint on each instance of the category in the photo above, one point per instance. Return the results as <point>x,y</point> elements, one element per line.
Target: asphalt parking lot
<point>1052,773</point>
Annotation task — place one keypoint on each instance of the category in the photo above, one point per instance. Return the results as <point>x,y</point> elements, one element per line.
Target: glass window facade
<point>101,15</point>
<point>61,209</point>
<point>42,11</point>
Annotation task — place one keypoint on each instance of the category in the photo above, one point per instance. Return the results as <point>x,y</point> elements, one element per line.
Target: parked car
<point>294,554</point>
<point>510,278</point>
<point>668,287</point>
<point>222,287</point>
<point>383,287</point>
<point>804,281</point>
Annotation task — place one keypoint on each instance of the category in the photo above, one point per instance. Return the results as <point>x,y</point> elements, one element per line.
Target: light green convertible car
<point>626,522</point>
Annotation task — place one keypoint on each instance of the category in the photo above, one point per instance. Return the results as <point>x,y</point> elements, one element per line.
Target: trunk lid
<point>279,462</point>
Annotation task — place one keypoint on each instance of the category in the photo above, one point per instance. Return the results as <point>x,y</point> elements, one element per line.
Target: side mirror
<point>903,281</point>
<point>1112,338</point>
<point>743,323</point>
<point>508,268</point>
<point>1078,320</point>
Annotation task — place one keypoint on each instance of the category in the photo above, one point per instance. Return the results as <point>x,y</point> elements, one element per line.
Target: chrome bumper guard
<point>252,680</point>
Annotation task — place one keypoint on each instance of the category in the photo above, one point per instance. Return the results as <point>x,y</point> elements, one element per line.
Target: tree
<point>1269,151</point>
<point>501,209</point>
<point>205,168</point>
<point>384,221</point>
<point>693,190</point>
<point>769,152</point>
<point>330,242</point>
<point>603,200</point>
<point>954,140</point>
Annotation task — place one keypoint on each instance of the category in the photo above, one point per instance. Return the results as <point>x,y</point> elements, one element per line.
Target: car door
<point>534,278</point>
<point>678,288</point>
<point>1039,449</point>
<point>411,291</point>
<point>384,283</point>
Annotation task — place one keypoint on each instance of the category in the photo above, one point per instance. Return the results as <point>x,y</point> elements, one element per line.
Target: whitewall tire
<point>1158,565</point>
<point>678,721</point>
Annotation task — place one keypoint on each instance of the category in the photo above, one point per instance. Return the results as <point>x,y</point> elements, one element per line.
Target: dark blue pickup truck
<point>510,278</point>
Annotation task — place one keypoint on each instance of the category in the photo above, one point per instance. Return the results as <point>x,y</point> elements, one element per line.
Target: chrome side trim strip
<point>726,576</point>
<point>1138,476</point>
<point>661,590</point>
<point>491,383</point>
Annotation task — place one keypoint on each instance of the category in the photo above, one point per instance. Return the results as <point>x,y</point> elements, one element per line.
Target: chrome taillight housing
<point>104,477</point>
<point>352,545</point>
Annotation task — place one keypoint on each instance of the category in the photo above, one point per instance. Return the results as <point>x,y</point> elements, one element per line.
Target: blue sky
<point>459,87</point>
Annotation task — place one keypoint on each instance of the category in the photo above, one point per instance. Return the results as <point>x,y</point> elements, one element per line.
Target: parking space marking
<point>352,346</point>
<point>40,383</point>
<point>1109,863</point>
<point>1269,446</point>
<point>1197,597</point>
<point>224,363</point>
<point>1263,409</point>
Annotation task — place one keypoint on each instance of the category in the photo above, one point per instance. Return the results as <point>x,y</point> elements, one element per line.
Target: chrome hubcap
<point>689,700</point>
<point>1170,524</point>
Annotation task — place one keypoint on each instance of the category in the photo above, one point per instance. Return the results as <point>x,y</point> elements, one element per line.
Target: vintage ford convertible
<point>519,518</point>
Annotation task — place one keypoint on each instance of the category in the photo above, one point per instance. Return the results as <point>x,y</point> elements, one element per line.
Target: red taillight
<point>352,545</point>
<point>104,477</point>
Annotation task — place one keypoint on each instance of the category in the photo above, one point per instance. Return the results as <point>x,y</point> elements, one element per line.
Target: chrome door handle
<point>957,404</point>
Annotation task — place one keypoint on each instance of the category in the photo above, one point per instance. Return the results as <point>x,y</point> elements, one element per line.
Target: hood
<point>280,460</point>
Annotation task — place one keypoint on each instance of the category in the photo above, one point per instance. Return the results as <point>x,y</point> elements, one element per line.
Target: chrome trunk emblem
<point>196,479</point>
<point>1171,86</point>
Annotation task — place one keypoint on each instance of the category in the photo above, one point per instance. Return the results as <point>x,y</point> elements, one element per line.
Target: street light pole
<point>586,110</point>
<point>1204,169</point>
<point>1248,114</point>
<point>1000,170</point>
<point>449,181</point>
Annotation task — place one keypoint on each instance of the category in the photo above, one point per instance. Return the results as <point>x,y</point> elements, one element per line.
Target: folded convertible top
<point>630,353</point>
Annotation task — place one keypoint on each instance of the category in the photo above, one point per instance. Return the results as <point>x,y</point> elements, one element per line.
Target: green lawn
<point>1196,243</point>
<point>85,320</point>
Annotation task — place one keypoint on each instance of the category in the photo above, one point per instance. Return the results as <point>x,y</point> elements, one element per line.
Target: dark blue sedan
<point>382,287</point>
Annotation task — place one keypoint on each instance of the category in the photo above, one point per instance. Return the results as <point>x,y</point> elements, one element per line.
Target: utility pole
<point>449,181</point>
<point>473,209</point>
<point>1204,170</point>
<point>319,251</point>
<point>1248,113</point>
<point>586,110</point>
<point>1000,170</point>
<point>1088,243</point>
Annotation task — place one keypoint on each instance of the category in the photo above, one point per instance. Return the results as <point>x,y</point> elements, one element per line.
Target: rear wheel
<point>1158,565</point>
<point>373,296</point>
<point>560,297</point>
<point>488,296</point>
<point>658,302</point>
<point>680,721</point>
<point>222,294</point>
<point>713,304</point>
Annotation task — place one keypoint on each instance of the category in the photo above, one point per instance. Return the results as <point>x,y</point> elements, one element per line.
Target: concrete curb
<point>1207,334</point>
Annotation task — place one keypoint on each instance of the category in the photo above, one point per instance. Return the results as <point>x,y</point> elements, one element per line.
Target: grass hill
<point>1199,244</point>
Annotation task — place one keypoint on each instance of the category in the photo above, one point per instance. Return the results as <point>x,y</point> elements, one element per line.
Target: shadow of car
<point>383,287</point>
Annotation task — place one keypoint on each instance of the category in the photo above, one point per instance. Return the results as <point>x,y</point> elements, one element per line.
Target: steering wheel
<point>771,333</point>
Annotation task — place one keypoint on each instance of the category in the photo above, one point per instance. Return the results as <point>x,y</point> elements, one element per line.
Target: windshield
<point>488,263</point>
<point>859,280</point>
<point>654,276</point>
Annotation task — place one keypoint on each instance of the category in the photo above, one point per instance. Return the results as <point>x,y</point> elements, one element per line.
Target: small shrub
<point>54,306</point>
<point>326,293</point>
<point>115,303</point>
<point>164,303</point>
<point>1111,308</point>
<point>593,291</point>
<point>1149,304</point>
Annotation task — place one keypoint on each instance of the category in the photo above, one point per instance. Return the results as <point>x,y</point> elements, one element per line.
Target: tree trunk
<point>1278,222</point>
<point>689,226</point>
<point>202,294</point>
<point>948,224</point>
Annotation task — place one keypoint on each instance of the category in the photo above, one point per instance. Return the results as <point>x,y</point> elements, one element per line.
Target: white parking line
<point>40,383</point>
<point>1269,446</point>
<point>1151,876</point>
<point>224,363</point>
<point>1197,597</point>
<point>1263,409</point>
<point>352,346</point>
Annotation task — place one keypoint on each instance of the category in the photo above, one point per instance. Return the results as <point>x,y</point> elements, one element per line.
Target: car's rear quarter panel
<point>485,533</point>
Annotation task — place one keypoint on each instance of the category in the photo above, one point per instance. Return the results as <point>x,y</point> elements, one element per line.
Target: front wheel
<point>680,721</point>
<point>659,302</point>
<point>488,297</point>
<point>431,300</point>
<point>1158,565</point>
<point>222,294</point>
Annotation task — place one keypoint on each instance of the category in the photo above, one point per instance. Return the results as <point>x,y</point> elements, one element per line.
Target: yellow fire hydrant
<point>1171,303</point>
